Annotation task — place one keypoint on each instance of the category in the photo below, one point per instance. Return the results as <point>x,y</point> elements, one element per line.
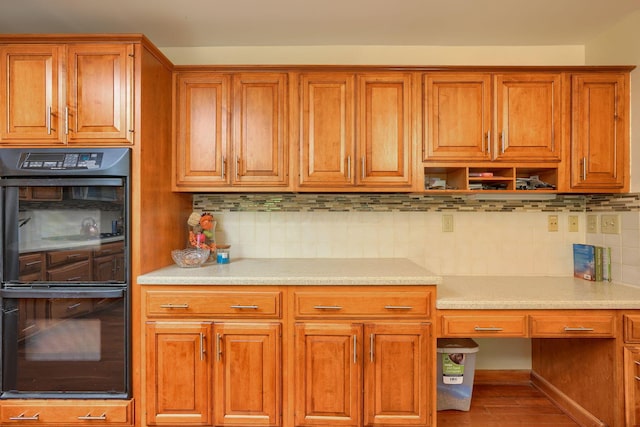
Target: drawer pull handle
<point>487,329</point>
<point>637,362</point>
<point>90,417</point>
<point>578,329</point>
<point>174,306</point>
<point>21,417</point>
<point>398,307</point>
<point>245,307</point>
<point>327,307</point>
<point>637,378</point>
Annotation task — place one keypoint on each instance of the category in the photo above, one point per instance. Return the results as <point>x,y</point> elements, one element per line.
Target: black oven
<point>65,269</point>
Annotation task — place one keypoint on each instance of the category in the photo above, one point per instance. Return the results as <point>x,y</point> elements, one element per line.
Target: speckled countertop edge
<point>297,271</point>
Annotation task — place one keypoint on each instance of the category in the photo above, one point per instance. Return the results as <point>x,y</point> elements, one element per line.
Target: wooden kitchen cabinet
<point>363,371</point>
<point>179,374</point>
<point>108,262</point>
<point>228,346</point>
<point>247,372</point>
<point>600,132</point>
<point>356,130</point>
<point>484,116</point>
<point>60,412</point>
<point>32,110</point>
<point>61,94</point>
<point>231,131</point>
<point>632,385</point>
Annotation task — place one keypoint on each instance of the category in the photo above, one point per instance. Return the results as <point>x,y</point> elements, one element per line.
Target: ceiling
<point>188,23</point>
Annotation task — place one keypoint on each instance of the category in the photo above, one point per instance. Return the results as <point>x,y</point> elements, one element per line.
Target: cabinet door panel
<point>99,93</point>
<point>384,129</point>
<point>260,129</point>
<point>247,372</point>
<point>632,386</point>
<point>178,373</point>
<point>31,112</point>
<point>529,116</point>
<point>202,129</point>
<point>328,139</point>
<point>599,137</point>
<point>458,116</point>
<point>328,372</point>
<point>397,372</point>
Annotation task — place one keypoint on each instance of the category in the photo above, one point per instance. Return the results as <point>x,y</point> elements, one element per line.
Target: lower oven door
<point>65,343</point>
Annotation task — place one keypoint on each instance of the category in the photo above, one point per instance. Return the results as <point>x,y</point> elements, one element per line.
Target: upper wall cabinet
<point>486,117</point>
<point>231,131</point>
<point>600,132</point>
<point>59,94</point>
<point>356,131</point>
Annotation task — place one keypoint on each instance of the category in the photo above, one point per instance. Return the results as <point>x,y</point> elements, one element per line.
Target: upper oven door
<point>64,229</point>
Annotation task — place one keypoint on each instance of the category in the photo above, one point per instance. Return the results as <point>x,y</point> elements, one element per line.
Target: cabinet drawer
<point>591,325</point>
<point>481,326</point>
<point>30,263</point>
<point>66,412</point>
<point>109,249</point>
<point>362,303</point>
<point>55,258</point>
<point>213,303</point>
<point>632,328</point>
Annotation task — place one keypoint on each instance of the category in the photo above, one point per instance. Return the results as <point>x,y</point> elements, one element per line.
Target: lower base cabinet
<point>203,371</point>
<point>362,374</point>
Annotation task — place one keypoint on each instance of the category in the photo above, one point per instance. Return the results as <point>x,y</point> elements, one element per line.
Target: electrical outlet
<point>610,224</point>
<point>573,223</point>
<point>552,223</point>
<point>447,223</point>
<point>592,223</point>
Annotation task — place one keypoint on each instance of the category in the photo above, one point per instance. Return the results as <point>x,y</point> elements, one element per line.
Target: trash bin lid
<point>457,345</point>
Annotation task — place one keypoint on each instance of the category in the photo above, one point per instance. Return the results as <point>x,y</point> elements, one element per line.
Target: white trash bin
<point>456,368</point>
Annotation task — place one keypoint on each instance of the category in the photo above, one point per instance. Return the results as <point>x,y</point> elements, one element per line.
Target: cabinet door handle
<point>364,166</point>
<point>237,168</point>
<point>372,343</point>
<point>327,307</point>
<point>502,142</point>
<point>66,120</point>
<point>355,349</point>
<point>202,346</point>
<point>487,329</point>
<point>489,143</point>
<point>398,307</point>
<point>577,329</point>
<point>246,307</point>
<point>584,168</point>
<point>89,417</point>
<point>349,167</point>
<point>49,120</point>
<point>174,306</point>
<point>218,347</point>
<point>637,362</point>
<point>21,417</point>
<point>223,167</point>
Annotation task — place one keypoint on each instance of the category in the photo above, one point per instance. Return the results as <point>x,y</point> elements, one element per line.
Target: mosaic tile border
<point>400,202</point>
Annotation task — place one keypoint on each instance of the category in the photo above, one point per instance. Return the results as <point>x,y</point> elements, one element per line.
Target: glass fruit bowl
<point>190,257</point>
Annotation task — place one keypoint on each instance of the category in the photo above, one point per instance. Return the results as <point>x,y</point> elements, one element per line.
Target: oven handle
<point>63,293</point>
<point>61,182</point>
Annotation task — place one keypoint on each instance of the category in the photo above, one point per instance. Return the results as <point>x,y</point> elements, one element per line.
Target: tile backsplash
<point>488,238</point>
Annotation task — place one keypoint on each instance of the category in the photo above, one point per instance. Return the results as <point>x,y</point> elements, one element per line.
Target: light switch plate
<point>447,223</point>
<point>610,224</point>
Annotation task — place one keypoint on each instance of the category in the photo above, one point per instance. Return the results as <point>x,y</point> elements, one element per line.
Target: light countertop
<point>297,271</point>
<point>453,292</point>
<point>504,292</point>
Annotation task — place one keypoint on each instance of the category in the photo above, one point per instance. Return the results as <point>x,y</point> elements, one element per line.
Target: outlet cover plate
<point>592,223</point>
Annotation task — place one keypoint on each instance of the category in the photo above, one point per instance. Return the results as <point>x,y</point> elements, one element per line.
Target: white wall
<point>378,55</point>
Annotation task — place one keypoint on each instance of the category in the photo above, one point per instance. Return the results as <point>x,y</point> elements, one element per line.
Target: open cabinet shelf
<point>478,178</point>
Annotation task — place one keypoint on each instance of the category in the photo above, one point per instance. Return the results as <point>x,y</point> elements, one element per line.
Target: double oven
<point>65,270</point>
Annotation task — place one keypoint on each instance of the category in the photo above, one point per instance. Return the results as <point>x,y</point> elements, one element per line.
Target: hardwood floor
<point>506,405</point>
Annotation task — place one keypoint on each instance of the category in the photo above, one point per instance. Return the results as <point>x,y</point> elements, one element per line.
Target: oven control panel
<point>60,161</point>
